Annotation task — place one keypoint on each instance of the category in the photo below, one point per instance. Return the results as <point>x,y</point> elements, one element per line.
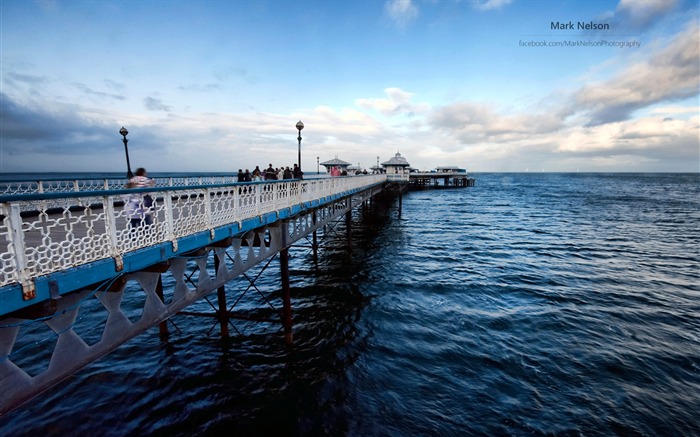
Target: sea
<point>532,304</point>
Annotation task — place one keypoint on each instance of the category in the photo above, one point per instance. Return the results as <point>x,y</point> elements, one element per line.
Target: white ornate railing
<point>80,184</point>
<point>88,184</point>
<point>43,233</point>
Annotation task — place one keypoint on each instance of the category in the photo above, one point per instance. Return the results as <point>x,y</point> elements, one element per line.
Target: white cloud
<point>671,74</point>
<point>485,5</point>
<point>397,102</point>
<point>156,104</point>
<point>641,135</point>
<point>471,122</point>
<point>642,13</point>
<point>675,110</point>
<point>402,12</point>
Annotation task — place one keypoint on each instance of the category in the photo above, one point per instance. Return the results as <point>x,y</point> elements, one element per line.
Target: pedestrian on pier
<point>139,206</point>
<point>297,173</point>
<point>270,174</point>
<point>257,174</point>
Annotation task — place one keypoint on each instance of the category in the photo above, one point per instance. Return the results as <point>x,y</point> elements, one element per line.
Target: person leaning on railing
<point>138,206</point>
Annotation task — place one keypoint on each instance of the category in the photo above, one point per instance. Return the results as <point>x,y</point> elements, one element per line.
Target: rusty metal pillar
<point>315,238</point>
<point>222,313</point>
<point>286,297</point>
<point>348,226</point>
<point>162,326</point>
<point>400,202</point>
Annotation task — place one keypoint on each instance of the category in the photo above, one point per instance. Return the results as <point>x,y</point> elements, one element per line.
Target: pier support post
<point>221,298</point>
<point>348,227</point>
<point>286,297</point>
<point>315,237</point>
<point>370,211</point>
<point>162,326</point>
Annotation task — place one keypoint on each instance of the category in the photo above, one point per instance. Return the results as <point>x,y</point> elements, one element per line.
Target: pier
<point>442,177</point>
<point>68,253</point>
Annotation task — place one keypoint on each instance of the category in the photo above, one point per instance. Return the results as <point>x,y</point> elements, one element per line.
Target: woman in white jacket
<point>138,206</point>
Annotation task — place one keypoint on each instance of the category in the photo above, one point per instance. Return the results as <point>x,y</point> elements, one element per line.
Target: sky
<point>218,85</point>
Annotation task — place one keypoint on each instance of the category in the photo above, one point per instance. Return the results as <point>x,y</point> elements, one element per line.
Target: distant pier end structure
<point>397,165</point>
<point>399,170</point>
<point>441,177</point>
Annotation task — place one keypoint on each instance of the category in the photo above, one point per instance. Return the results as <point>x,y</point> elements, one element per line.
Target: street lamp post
<point>300,126</point>
<point>318,171</point>
<point>378,165</point>
<point>124,133</point>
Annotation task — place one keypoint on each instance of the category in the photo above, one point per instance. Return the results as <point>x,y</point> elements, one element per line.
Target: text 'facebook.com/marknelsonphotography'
<point>633,44</point>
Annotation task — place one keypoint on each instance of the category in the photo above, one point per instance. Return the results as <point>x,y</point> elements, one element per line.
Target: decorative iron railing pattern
<point>80,184</point>
<point>43,233</point>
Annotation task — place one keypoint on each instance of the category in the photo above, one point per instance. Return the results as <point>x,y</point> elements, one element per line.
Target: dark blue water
<point>530,304</point>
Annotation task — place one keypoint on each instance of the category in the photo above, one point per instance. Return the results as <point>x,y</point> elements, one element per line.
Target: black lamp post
<point>318,171</point>
<point>378,165</point>
<point>124,133</point>
<point>300,126</point>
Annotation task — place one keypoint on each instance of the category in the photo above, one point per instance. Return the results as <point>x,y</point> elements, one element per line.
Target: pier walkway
<point>64,243</point>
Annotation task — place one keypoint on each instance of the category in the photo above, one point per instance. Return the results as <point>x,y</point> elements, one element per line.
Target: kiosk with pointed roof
<point>335,162</point>
<point>397,166</point>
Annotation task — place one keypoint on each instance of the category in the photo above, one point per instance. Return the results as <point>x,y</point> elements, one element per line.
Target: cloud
<point>59,137</point>
<point>13,78</point>
<point>200,88</point>
<point>96,95</point>
<point>672,74</point>
<point>35,138</point>
<point>153,104</point>
<point>471,122</point>
<point>28,128</point>
<point>642,14</point>
<point>485,5</point>
<point>646,144</point>
<point>402,12</point>
<point>22,123</point>
<point>397,102</point>
<point>118,86</point>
